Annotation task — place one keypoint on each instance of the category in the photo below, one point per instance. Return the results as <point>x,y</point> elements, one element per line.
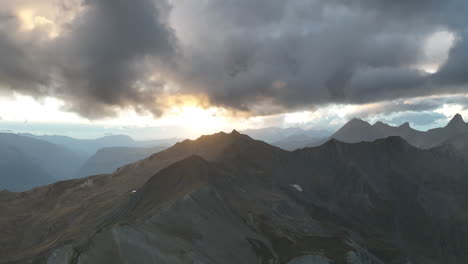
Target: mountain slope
<point>244,201</point>
<point>20,172</point>
<point>460,143</point>
<point>107,160</point>
<point>51,162</point>
<point>89,147</point>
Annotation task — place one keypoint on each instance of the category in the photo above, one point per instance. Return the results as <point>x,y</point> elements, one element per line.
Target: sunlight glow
<point>195,116</point>
<point>31,21</point>
<point>26,108</point>
<point>436,51</point>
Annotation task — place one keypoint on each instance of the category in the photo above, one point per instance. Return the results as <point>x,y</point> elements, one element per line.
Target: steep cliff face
<point>227,198</point>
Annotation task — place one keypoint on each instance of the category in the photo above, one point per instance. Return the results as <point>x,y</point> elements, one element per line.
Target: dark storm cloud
<point>402,108</point>
<point>240,53</point>
<point>101,60</point>
<point>322,51</point>
<point>100,55</point>
<point>18,61</point>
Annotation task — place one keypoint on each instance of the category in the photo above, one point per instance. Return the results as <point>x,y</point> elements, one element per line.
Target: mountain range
<point>227,198</point>
<point>28,162</point>
<point>85,157</point>
<point>358,130</point>
<point>89,147</point>
<point>288,138</point>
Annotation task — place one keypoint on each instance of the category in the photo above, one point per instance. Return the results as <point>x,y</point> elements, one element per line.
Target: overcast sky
<point>207,65</point>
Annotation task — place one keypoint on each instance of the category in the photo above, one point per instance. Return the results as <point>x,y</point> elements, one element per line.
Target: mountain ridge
<point>357,130</point>
<point>254,190</point>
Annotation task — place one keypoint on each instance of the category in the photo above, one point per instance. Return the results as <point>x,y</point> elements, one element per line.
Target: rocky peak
<point>356,123</point>
<point>457,122</point>
<point>235,133</point>
<point>405,125</point>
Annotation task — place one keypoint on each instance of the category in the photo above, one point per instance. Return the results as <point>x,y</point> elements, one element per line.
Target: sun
<point>198,119</point>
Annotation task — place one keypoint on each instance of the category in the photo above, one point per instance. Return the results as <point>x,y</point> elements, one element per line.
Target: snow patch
<point>87,183</point>
<point>297,187</point>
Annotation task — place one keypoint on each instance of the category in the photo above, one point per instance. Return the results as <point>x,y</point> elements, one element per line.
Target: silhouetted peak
<point>356,122</point>
<point>405,125</point>
<point>380,124</point>
<point>214,142</point>
<point>457,120</point>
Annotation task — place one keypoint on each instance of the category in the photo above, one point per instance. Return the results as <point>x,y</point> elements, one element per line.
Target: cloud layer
<point>239,54</point>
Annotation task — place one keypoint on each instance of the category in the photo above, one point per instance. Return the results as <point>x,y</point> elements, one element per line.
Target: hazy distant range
<point>29,160</point>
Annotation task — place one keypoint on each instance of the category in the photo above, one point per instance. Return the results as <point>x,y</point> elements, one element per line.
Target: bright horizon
<point>23,114</point>
<point>154,68</point>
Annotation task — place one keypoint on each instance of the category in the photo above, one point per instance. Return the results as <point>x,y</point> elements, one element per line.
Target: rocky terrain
<point>227,198</point>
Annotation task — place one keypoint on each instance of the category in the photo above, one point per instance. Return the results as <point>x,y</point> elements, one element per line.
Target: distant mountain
<point>28,162</point>
<point>227,198</point>
<point>107,160</point>
<point>90,146</point>
<point>20,172</point>
<point>358,130</point>
<point>297,141</point>
<point>287,138</point>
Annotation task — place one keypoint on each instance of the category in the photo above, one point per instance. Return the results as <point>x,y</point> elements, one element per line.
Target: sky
<point>165,68</point>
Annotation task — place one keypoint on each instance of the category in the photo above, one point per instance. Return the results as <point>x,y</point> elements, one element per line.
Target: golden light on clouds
<point>185,100</point>
<point>31,21</point>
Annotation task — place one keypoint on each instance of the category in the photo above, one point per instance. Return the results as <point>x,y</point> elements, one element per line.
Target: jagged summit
<point>357,130</point>
<point>380,123</point>
<point>405,125</point>
<point>357,121</point>
<point>456,121</point>
<point>235,132</point>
